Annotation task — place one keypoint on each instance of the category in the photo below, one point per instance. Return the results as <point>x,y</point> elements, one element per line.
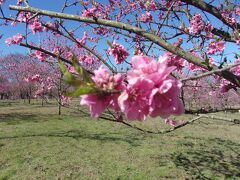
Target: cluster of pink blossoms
<point>34,78</point>
<point>196,24</point>
<point>147,90</point>
<point>65,100</point>
<point>151,5</point>
<point>174,60</point>
<point>2,1</point>
<point>208,30</point>
<point>40,55</point>
<point>146,17</point>
<point>90,12</point>
<point>119,52</point>
<point>237,11</point>
<point>215,47</point>
<point>16,39</point>
<point>36,26</point>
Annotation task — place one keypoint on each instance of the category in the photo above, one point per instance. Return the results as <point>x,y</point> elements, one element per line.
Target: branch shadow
<point>17,118</point>
<point>221,160</point>
<point>77,134</point>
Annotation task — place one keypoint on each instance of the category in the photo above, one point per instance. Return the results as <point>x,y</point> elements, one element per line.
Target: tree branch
<point>157,40</point>
<point>210,72</point>
<point>210,9</point>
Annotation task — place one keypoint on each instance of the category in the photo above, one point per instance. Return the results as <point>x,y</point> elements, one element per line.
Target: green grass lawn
<point>36,143</point>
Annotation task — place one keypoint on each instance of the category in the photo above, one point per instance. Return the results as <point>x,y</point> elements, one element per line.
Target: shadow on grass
<point>16,118</point>
<point>77,134</point>
<point>219,160</point>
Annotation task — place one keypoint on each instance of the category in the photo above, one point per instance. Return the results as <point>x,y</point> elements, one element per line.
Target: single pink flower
<point>9,41</point>
<point>165,101</point>
<point>16,39</point>
<point>2,1</point>
<point>171,122</point>
<point>134,101</point>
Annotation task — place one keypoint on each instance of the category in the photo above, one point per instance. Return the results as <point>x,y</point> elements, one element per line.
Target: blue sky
<point>56,5</point>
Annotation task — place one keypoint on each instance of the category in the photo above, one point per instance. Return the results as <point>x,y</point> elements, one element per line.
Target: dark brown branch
<point>212,110</point>
<point>46,52</point>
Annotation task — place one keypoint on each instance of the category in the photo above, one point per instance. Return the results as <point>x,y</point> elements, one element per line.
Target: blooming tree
<point>21,74</point>
<point>139,57</point>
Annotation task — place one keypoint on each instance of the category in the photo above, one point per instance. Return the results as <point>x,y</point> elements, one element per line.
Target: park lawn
<point>36,143</point>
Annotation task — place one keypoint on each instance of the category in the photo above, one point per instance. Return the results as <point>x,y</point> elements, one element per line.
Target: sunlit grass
<point>36,143</point>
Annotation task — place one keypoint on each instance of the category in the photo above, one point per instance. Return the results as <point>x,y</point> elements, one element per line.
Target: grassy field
<point>36,143</point>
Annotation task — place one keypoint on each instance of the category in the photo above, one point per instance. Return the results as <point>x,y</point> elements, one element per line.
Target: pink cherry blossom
<point>151,5</point>
<point>215,47</point>
<point>165,101</point>
<point>16,39</point>
<point>173,60</point>
<point>21,17</point>
<point>151,90</point>
<point>134,101</point>
<point>171,122</point>
<point>146,17</point>
<point>84,38</point>
<point>2,1</point>
<point>208,29</point>
<point>41,56</point>
<point>9,41</point>
<point>237,10</point>
<point>119,52</point>
<point>51,26</point>
<point>34,78</point>
<point>230,20</point>
<point>90,12</point>
<point>196,24</point>
<point>98,102</point>
<point>19,2</point>
<point>65,100</point>
<point>36,26</point>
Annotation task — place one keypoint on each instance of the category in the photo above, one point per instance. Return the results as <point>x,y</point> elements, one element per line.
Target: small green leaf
<point>109,43</point>
<point>65,71</point>
<point>82,90</point>
<point>82,3</point>
<point>82,83</point>
<point>77,65</point>
<point>86,77</point>
<point>207,60</point>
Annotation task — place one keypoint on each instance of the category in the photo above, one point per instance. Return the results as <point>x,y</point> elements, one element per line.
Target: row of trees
<point>141,58</point>
<point>24,77</point>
